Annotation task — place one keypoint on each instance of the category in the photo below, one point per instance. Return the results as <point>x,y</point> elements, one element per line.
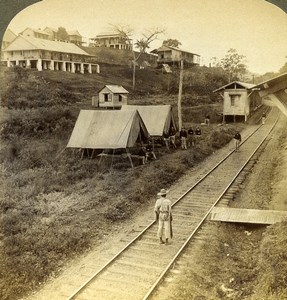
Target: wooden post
<point>129,157</point>
<point>112,158</point>
<point>180,95</point>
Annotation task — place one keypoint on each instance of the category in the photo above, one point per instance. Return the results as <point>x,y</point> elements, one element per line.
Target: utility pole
<point>180,95</point>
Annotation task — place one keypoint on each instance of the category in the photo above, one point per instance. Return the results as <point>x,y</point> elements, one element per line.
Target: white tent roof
<point>157,118</point>
<point>107,129</point>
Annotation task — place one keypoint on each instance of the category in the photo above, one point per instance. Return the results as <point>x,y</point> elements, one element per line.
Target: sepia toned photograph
<point>143,150</point>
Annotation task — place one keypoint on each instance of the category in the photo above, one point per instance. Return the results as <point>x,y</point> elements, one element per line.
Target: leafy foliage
<point>62,34</point>
<point>171,42</point>
<point>234,64</point>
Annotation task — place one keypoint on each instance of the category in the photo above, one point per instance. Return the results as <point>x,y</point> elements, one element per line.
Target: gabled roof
<point>74,32</point>
<point>9,35</point>
<point>31,43</point>
<point>165,48</point>
<point>116,89</point>
<point>52,29</point>
<point>36,30</point>
<point>157,118</point>
<point>230,85</point>
<point>95,129</point>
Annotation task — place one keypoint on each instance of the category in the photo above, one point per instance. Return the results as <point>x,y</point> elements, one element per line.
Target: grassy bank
<point>55,206</point>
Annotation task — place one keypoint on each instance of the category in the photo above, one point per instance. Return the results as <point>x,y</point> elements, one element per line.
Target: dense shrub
<point>34,123</point>
<point>272,282</point>
<point>221,137</point>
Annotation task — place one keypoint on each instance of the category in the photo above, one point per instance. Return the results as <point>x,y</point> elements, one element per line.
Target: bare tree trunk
<point>134,74</point>
<point>180,95</point>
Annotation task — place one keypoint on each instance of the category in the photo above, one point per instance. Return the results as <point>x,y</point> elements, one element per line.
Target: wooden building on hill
<point>36,33</point>
<point>75,37</point>
<point>44,54</point>
<point>111,97</point>
<point>111,40</point>
<point>239,100</point>
<point>173,56</point>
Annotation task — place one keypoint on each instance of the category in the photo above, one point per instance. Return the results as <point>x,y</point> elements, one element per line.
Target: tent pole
<point>92,155</point>
<point>83,151</point>
<point>129,157</point>
<point>112,159</point>
<point>101,158</point>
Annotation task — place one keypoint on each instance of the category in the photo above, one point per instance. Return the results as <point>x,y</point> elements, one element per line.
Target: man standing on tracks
<point>237,139</point>
<point>163,214</point>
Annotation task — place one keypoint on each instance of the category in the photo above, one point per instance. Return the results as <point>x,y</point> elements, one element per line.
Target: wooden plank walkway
<point>254,216</point>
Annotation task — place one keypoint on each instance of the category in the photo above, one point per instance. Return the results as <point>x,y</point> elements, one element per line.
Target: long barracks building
<point>42,54</point>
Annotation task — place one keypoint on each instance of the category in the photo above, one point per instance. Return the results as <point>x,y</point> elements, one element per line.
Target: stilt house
<point>111,97</point>
<point>237,101</point>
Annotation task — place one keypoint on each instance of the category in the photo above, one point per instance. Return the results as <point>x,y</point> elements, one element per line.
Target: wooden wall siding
<point>236,102</point>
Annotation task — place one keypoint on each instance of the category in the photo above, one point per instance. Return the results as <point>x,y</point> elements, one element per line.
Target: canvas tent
<point>104,130</point>
<point>157,118</point>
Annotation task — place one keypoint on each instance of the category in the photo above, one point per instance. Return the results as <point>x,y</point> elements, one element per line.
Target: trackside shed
<point>237,101</point>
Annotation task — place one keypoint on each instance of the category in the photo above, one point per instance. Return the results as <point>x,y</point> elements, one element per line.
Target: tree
<point>143,43</point>
<point>62,34</point>
<point>234,64</point>
<point>171,43</point>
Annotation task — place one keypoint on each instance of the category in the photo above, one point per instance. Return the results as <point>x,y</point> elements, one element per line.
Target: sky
<point>255,28</point>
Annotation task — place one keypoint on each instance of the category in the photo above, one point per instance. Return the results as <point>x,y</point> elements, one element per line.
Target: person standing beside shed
<point>163,215</point>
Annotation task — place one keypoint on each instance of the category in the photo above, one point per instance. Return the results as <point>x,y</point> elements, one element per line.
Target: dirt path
<point>69,279</point>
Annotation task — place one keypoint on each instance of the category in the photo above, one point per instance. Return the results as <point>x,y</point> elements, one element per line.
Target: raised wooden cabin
<point>111,97</point>
<point>239,100</point>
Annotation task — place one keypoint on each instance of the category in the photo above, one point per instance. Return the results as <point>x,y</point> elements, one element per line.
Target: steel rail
<point>162,275</point>
<point>89,280</point>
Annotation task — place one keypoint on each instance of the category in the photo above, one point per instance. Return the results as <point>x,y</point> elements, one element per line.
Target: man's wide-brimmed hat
<point>162,192</point>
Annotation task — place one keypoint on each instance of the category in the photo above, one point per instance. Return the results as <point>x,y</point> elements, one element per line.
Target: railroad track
<point>137,270</point>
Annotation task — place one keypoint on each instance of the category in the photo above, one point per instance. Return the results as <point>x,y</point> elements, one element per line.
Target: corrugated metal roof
<point>274,92</point>
<point>164,47</point>
<point>31,43</point>
<point>244,84</point>
<point>273,81</point>
<point>157,118</point>
<point>254,216</point>
<point>96,129</point>
<point>111,33</point>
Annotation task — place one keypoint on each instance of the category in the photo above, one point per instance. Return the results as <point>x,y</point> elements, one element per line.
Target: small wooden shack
<point>111,97</point>
<point>237,101</point>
